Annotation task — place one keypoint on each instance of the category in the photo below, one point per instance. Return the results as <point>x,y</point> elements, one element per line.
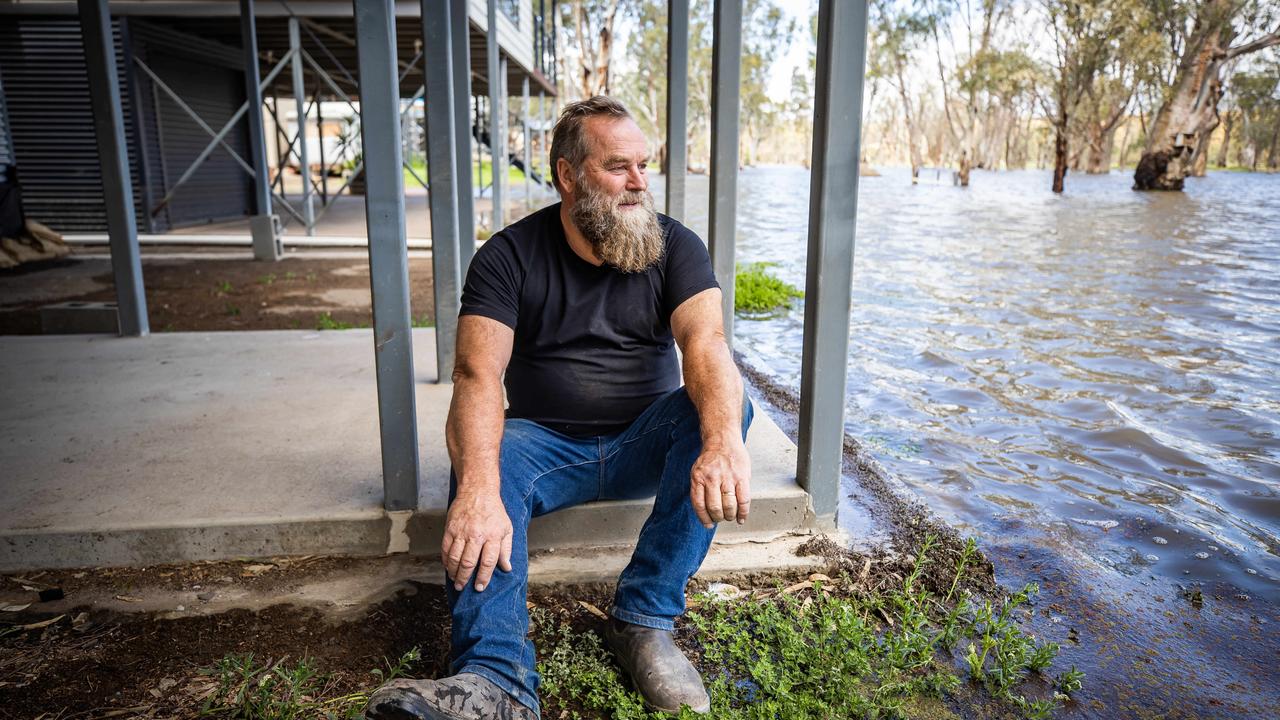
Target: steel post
<point>528,155</point>
<point>263,226</point>
<point>460,30</point>
<point>833,210</point>
<point>299,99</point>
<point>117,190</point>
<point>497,104</point>
<point>726,70</point>
<point>388,253</point>
<point>677,105</point>
<point>543,152</point>
<point>442,142</point>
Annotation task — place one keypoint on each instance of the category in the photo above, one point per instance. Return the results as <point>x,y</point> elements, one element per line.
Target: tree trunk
<point>1124,143</point>
<point>1192,108</point>
<point>1273,160</point>
<point>1100,152</point>
<point>1227,124</point>
<point>1060,152</point>
<point>1190,114</point>
<point>913,142</point>
<point>1200,163</point>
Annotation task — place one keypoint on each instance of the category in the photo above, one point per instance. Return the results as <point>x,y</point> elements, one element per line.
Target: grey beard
<point>630,241</point>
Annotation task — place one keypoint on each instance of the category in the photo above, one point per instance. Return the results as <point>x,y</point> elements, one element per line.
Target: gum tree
<point>1205,36</point>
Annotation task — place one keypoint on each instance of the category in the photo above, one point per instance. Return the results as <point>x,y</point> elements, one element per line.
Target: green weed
<point>267,279</point>
<point>250,690</point>
<point>325,321</point>
<point>823,652</point>
<point>223,287</point>
<point>757,292</point>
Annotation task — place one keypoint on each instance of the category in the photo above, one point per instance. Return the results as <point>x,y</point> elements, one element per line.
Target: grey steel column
<point>388,251</point>
<point>528,155</point>
<point>544,116</point>
<point>117,190</point>
<point>262,226</point>
<point>460,29</point>
<point>677,105</point>
<point>442,164</point>
<point>726,70</point>
<point>300,100</point>
<point>833,211</point>
<point>497,105</point>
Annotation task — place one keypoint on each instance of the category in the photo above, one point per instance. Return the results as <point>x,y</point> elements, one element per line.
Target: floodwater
<point>1089,383</point>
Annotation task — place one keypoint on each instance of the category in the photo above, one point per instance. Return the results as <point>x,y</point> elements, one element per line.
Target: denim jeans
<point>544,471</point>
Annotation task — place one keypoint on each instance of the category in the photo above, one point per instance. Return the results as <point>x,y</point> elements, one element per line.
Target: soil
<point>193,293</point>
<point>95,660</point>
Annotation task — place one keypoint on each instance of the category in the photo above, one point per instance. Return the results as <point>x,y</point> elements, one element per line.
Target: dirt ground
<point>79,655</point>
<point>217,292</point>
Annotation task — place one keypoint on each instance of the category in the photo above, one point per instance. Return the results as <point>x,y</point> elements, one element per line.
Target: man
<point>580,305</point>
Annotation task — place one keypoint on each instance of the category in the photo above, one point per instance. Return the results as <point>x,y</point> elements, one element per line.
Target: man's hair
<point>569,138</point>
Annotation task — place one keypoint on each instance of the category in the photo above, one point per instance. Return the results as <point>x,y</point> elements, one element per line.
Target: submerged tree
<point>1091,37</point>
<point>898,32</point>
<point>1203,33</point>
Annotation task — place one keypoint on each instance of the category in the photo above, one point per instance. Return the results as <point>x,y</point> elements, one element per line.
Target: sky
<point>798,54</point>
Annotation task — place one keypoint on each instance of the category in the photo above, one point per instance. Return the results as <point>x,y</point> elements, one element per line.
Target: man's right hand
<point>477,538</point>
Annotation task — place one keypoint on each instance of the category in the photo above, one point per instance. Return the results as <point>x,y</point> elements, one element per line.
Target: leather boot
<point>663,675</point>
<point>465,696</point>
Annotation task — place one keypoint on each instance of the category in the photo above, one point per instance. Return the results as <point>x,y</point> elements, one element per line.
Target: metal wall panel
<point>46,92</point>
<point>208,77</point>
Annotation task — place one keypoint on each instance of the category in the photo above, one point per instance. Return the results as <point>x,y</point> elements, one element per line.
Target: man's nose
<point>636,180</point>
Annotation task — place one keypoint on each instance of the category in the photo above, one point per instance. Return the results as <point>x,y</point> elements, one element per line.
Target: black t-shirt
<point>593,345</point>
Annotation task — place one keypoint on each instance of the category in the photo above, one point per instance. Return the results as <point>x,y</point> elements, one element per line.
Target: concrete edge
<point>370,533</point>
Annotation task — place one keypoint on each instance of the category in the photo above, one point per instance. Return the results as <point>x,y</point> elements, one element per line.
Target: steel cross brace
<point>218,136</point>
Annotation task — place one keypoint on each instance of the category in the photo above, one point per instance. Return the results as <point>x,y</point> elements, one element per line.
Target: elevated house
<point>180,68</point>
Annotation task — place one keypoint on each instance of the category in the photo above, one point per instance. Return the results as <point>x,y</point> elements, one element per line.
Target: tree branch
<point>1261,43</point>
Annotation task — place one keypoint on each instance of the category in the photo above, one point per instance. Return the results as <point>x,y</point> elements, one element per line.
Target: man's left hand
<point>720,484</point>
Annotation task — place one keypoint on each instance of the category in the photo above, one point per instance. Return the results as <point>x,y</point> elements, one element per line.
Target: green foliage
<point>818,653</point>
<point>325,321</point>
<point>251,690</point>
<point>757,292</point>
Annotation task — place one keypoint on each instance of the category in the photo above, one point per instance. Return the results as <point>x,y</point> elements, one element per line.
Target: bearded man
<point>581,306</point>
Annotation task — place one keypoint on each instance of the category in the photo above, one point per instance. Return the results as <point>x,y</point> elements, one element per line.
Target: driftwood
<point>35,242</point>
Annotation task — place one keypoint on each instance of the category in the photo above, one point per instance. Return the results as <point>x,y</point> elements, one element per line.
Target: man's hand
<point>477,534</point>
<point>720,484</point>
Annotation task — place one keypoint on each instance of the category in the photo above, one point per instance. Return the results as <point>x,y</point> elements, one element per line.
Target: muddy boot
<point>465,696</point>
<point>663,675</point>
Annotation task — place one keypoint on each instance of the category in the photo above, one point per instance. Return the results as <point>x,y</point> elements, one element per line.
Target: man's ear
<point>564,172</point>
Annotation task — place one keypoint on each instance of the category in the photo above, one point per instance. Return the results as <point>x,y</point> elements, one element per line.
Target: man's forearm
<point>715,387</point>
<point>473,432</point>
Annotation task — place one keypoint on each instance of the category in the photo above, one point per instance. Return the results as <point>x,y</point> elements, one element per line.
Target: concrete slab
<point>197,446</point>
<point>347,591</point>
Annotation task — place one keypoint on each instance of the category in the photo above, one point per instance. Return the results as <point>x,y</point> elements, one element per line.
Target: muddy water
<point>1090,383</point>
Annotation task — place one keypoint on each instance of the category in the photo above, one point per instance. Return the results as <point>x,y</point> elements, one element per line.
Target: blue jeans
<point>544,471</point>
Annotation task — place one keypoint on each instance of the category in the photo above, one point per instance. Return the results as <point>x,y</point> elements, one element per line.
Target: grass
<point>325,321</point>
<point>265,690</point>
<point>758,293</point>
<point>825,651</point>
<point>480,178</point>
<point>821,648</point>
